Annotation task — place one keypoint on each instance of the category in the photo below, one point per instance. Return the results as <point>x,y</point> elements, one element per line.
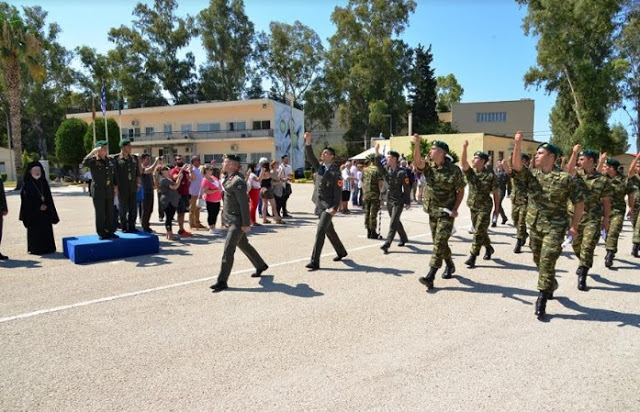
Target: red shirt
<point>183,189</point>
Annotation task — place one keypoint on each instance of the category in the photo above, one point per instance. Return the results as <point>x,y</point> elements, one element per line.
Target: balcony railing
<point>219,134</point>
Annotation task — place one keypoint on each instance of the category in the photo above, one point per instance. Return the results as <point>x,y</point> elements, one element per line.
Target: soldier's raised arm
<point>571,165</point>
<point>517,152</point>
<point>378,161</point>
<point>89,157</point>
<point>417,156</point>
<point>632,166</point>
<point>463,156</point>
<point>311,157</point>
<point>603,158</point>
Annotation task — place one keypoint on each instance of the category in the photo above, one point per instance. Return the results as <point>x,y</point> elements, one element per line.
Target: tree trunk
<point>15,110</point>
<point>576,108</point>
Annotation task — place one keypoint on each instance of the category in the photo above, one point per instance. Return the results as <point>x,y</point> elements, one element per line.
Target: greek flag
<point>103,102</point>
<point>384,156</point>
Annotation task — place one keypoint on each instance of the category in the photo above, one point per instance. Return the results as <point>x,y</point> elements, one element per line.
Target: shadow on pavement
<point>616,286</point>
<point>373,269</point>
<point>301,290</point>
<point>477,287</point>
<point>157,260</point>
<point>26,264</point>
<point>596,315</point>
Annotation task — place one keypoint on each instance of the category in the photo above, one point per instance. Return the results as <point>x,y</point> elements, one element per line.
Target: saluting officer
<point>326,196</point>
<point>398,195</point>
<point>371,187</point>
<point>128,177</point>
<point>444,190</point>
<point>235,215</point>
<point>482,184</point>
<point>102,189</point>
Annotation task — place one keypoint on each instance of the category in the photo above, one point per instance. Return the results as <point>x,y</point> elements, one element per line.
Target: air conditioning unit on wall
<point>135,122</point>
<point>234,147</point>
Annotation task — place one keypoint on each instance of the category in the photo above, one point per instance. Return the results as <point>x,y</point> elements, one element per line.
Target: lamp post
<point>390,117</point>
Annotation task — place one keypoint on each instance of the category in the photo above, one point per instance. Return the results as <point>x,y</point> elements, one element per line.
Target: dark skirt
<point>40,239</point>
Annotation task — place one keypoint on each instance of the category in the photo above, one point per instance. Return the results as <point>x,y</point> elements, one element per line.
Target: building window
<point>262,125</point>
<point>168,128</point>
<point>491,117</point>
<point>491,157</point>
<point>124,133</point>
<point>149,131</point>
<point>256,156</point>
<point>208,127</point>
<point>186,128</point>
<point>237,126</point>
<point>500,155</point>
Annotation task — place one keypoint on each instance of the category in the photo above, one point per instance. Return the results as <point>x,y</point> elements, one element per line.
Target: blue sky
<point>480,42</point>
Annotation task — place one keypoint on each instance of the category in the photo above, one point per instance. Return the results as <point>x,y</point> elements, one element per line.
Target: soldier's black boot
<point>471,262</point>
<point>428,280</point>
<point>582,277</point>
<point>635,249</point>
<point>608,260</point>
<point>385,248</point>
<point>541,305</point>
<point>219,286</point>
<point>488,252</point>
<point>519,244</point>
<point>449,270</point>
<point>369,234</point>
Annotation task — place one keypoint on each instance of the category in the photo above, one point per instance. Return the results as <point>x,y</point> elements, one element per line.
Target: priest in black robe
<point>37,211</point>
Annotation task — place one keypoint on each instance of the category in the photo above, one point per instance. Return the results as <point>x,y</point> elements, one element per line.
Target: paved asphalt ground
<point>146,333</point>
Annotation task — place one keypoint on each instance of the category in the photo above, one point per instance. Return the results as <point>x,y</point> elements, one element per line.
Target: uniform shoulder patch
<point>406,180</point>
<point>339,182</point>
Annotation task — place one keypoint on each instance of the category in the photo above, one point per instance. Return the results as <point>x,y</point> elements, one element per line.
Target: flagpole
<point>103,106</point>
<point>119,112</point>
<point>93,115</point>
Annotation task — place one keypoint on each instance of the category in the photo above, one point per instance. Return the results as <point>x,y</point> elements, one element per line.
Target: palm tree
<point>20,48</point>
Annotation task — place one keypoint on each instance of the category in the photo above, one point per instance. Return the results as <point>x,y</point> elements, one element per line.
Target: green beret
<point>613,162</point>
<point>394,154</point>
<point>100,143</point>
<point>481,155</point>
<point>525,156</point>
<point>589,153</point>
<point>441,145</point>
<point>233,158</point>
<point>550,148</point>
<point>124,142</point>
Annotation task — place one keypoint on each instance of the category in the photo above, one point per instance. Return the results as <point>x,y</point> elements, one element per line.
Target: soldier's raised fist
<point>307,138</point>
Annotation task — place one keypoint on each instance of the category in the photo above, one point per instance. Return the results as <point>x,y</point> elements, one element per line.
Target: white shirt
<point>195,184</point>
<point>288,172</point>
<point>253,180</point>
<point>359,178</point>
<point>346,180</point>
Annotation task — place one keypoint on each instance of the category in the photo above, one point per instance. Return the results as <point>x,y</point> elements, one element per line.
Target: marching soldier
<point>519,205</point>
<point>326,196</point>
<point>482,184</point>
<point>547,217</point>
<point>620,187</point>
<point>372,187</point>
<point>502,179</point>
<point>128,176</point>
<point>235,215</point>
<point>597,207</point>
<point>443,195</point>
<point>634,180</point>
<point>398,195</point>
<point>102,188</point>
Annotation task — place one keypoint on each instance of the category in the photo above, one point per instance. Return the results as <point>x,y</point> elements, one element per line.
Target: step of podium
<point>87,249</point>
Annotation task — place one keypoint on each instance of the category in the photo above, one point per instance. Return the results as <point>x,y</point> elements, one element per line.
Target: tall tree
<point>70,142</point>
<point>449,92</point>
<point>290,56</point>
<point>20,47</point>
<point>368,66</point>
<point>576,48</point>
<point>227,35</point>
<point>629,45</point>
<point>422,93</point>
<point>563,120</point>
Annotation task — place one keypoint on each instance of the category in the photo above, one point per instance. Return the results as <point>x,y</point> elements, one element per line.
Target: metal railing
<point>218,134</point>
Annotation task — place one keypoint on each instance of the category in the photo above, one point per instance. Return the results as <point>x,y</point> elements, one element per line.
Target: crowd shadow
<point>301,290</point>
<point>472,286</point>
<point>595,315</point>
<point>157,259</point>
<point>371,269</point>
<point>615,286</point>
<point>20,264</point>
<point>631,265</point>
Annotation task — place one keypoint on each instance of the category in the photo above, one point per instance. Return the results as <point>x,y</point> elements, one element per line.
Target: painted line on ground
<point>55,309</point>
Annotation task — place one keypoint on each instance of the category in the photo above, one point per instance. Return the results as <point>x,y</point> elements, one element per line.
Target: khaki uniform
<point>103,182</point>
<point>481,185</point>
<point>519,209</point>
<point>442,185</point>
<point>634,183</point>
<point>235,215</point>
<point>370,179</point>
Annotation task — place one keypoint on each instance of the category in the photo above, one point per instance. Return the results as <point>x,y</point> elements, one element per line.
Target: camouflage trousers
<point>585,242</point>
<point>371,209</point>
<point>480,220</point>
<point>616,220</point>
<point>546,245</point>
<point>519,217</point>
<point>635,219</point>
<point>441,228</point>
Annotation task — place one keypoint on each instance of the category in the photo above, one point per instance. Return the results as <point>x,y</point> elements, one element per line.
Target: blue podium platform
<point>87,249</point>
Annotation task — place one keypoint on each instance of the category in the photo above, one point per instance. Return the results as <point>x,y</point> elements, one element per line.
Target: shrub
<point>307,174</point>
<point>4,177</point>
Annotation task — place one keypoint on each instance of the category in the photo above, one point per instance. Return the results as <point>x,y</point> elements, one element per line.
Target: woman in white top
<point>345,169</point>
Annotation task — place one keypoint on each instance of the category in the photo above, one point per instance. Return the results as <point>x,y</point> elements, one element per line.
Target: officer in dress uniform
<point>128,181</point>
<point>398,195</point>
<point>326,196</point>
<point>102,189</point>
<point>235,215</point>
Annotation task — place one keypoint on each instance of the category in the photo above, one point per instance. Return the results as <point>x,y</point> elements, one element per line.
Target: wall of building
<point>7,164</point>
<point>501,118</point>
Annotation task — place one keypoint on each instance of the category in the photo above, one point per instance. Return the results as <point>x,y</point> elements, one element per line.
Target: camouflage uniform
<point>502,179</point>
<point>547,217</point>
<point>481,185</point>
<point>589,228</point>
<point>620,187</point>
<point>634,183</point>
<point>398,195</point>
<point>519,209</point>
<point>370,179</point>
<point>442,185</point>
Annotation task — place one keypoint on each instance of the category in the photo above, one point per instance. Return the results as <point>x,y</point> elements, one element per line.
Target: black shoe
<point>3,257</point>
<point>582,277</point>
<point>369,234</point>
<point>258,272</point>
<point>376,236</point>
<point>402,243</point>
<point>471,262</point>
<point>494,224</point>
<point>635,250</point>
<point>504,221</point>
<point>449,270</point>
<point>518,248</point>
<point>312,266</point>
<point>339,258</point>
<point>428,280</point>
<point>219,286</point>
<point>114,236</point>
<point>286,215</point>
<point>488,252</point>
<point>385,249</point>
<point>541,305</point>
<point>608,259</point>
<point>148,230</point>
